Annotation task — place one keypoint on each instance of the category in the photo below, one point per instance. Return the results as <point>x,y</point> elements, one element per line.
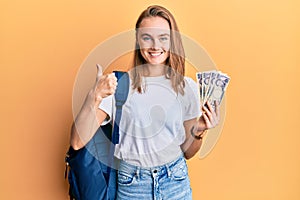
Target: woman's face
<point>153,37</point>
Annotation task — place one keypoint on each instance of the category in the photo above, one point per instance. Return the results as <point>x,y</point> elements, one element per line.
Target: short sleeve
<point>192,96</point>
<point>106,106</point>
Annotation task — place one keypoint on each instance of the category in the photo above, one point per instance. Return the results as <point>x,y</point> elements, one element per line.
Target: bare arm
<point>191,145</point>
<point>90,117</point>
<point>209,119</point>
<point>85,126</point>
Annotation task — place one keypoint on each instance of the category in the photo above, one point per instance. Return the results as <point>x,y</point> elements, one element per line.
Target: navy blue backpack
<point>93,169</point>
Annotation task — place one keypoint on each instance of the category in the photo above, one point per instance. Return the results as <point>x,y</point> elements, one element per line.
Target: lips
<point>155,54</point>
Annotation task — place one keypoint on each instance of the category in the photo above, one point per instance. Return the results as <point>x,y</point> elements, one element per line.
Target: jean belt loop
<point>168,171</point>
<point>137,172</point>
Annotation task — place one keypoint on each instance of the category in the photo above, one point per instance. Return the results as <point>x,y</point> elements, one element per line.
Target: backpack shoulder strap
<point>120,97</point>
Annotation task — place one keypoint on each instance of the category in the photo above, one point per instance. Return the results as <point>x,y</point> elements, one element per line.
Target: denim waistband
<point>157,170</point>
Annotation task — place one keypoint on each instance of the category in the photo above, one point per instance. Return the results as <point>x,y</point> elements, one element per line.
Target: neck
<point>156,70</point>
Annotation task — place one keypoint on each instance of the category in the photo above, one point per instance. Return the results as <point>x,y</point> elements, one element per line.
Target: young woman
<point>162,120</point>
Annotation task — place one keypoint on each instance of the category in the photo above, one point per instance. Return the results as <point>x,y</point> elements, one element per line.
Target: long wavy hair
<point>176,60</point>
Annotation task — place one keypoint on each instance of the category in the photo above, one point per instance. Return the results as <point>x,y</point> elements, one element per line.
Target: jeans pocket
<point>125,179</point>
<point>179,172</point>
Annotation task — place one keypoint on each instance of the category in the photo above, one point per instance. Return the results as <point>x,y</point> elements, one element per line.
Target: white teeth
<point>154,54</point>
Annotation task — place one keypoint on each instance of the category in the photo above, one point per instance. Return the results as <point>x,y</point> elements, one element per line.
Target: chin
<point>157,63</point>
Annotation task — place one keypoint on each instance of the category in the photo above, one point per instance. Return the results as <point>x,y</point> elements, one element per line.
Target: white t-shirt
<point>151,127</point>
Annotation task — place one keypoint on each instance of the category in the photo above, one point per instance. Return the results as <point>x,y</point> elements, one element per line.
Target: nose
<point>156,44</point>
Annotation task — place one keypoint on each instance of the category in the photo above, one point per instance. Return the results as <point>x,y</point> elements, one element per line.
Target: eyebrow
<point>164,34</point>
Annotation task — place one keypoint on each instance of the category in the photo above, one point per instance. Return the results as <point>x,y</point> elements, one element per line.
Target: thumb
<point>99,71</point>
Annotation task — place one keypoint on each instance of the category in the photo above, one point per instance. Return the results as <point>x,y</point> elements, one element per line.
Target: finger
<point>207,112</point>
<point>99,71</point>
<point>212,110</point>
<point>111,78</point>
<point>204,106</point>
<point>210,107</point>
<point>113,83</point>
<point>211,116</point>
<point>206,120</point>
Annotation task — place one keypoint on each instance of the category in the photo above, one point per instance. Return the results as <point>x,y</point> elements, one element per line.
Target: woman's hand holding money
<point>210,118</point>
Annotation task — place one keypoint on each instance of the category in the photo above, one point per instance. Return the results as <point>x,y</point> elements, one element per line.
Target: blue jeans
<point>167,182</point>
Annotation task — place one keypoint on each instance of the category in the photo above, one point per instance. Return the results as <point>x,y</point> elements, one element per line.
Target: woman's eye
<point>146,38</point>
<point>164,39</point>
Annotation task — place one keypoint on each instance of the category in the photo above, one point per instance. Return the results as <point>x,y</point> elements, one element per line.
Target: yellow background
<point>43,43</point>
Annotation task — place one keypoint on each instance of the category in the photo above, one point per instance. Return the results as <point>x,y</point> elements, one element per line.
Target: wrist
<point>93,99</point>
<point>198,134</point>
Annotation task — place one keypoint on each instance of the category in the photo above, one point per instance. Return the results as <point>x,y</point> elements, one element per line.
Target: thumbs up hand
<point>87,121</point>
<point>105,85</point>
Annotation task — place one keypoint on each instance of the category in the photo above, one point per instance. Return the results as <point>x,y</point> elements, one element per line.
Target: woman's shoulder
<point>191,85</point>
<point>190,81</point>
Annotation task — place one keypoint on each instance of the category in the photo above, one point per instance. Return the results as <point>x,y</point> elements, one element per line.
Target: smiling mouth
<point>155,54</point>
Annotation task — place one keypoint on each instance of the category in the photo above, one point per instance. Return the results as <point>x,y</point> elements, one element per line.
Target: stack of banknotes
<point>212,86</point>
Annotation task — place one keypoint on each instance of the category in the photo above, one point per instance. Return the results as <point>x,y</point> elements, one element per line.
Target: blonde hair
<point>176,61</point>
